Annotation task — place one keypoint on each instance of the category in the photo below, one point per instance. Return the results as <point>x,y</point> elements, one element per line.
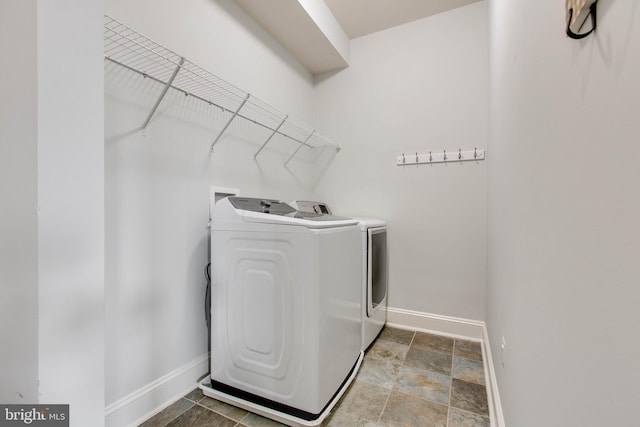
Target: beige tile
<point>404,410</point>
<point>468,370</point>
<point>468,349</point>
<point>168,414</point>
<point>195,395</point>
<point>201,417</point>
<point>460,418</point>
<point>469,396</point>
<point>380,372</point>
<point>367,401</point>
<point>433,342</point>
<point>225,409</point>
<point>362,405</point>
<point>255,420</point>
<point>424,384</point>
<point>344,418</point>
<point>429,360</point>
<point>400,336</point>
<point>388,350</point>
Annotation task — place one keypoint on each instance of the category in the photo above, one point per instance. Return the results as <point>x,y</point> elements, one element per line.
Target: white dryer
<point>375,278</point>
<point>285,309</point>
<point>374,264</point>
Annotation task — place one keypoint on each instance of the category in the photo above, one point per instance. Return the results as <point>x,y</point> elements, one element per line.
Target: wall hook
<point>577,14</point>
<point>429,157</point>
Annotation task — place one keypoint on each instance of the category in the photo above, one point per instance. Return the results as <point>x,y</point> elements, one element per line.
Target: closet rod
<point>143,74</point>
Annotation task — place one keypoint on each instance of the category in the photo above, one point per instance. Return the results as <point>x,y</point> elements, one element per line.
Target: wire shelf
<point>134,51</point>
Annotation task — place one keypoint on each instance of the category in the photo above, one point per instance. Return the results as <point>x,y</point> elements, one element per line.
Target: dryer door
<point>376,268</point>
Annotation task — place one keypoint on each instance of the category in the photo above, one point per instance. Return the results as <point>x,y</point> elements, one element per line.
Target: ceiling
<point>317,32</point>
<point>361,17</point>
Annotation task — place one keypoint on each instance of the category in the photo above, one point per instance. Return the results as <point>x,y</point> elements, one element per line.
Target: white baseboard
<point>145,402</point>
<point>455,327</point>
<point>441,325</point>
<point>495,405</point>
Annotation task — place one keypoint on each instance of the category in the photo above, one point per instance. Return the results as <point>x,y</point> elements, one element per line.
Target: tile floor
<point>407,379</point>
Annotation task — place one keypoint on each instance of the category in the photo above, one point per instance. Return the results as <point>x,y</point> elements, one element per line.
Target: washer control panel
<point>270,206</point>
<point>309,206</point>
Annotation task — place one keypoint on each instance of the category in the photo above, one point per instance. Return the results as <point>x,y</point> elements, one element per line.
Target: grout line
<point>242,419</point>
<point>384,407</point>
<point>450,383</point>
<point>177,416</point>
<point>222,415</point>
<point>191,400</point>
<point>453,345</point>
<point>413,337</point>
<point>472,413</point>
<point>434,350</point>
<point>468,358</point>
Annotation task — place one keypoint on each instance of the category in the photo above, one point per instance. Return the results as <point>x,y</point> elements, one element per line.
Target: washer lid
<point>278,212</point>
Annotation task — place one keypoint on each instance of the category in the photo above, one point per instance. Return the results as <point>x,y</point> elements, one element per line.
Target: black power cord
<point>207,304</point>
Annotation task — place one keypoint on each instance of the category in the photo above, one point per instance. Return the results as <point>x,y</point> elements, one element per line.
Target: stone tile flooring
<point>407,379</point>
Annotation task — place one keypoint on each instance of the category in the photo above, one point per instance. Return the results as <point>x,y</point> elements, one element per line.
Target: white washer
<point>374,262</point>
<point>285,309</point>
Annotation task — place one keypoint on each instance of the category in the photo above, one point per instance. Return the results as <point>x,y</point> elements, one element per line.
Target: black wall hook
<point>594,21</point>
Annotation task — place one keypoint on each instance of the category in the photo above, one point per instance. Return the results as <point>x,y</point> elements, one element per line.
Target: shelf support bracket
<point>164,92</point>
<point>271,136</point>
<point>235,113</point>
<point>299,147</point>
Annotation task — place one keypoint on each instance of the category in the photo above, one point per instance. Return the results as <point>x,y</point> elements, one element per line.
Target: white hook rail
<point>406,159</point>
<point>135,52</point>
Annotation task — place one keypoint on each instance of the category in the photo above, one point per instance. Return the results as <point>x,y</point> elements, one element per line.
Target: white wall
<point>563,208</point>
<point>157,181</point>
<point>18,214</point>
<point>71,208</point>
<point>416,87</point>
<point>53,188</point>
<point>218,36</point>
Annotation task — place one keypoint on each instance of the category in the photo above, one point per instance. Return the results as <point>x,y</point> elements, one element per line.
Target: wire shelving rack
<point>130,49</point>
